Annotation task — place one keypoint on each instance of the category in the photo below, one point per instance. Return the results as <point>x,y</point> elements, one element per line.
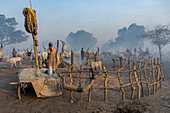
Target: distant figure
<point>135,50</point>
<point>83,54</point>
<point>140,49</point>
<point>51,59</point>
<point>14,53</point>
<point>127,50</point>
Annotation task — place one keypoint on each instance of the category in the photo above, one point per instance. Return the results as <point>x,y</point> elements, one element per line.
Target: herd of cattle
<point>60,57</point>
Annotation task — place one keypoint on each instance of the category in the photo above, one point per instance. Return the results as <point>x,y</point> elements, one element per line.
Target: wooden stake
<point>72,60</point>
<point>139,87</point>
<point>146,79</point>
<point>161,71</point>
<point>105,84</point>
<point>35,51</point>
<point>123,92</point>
<point>57,46</point>
<point>80,83</point>
<point>158,73</point>
<point>140,74</point>
<point>130,79</point>
<point>153,71</point>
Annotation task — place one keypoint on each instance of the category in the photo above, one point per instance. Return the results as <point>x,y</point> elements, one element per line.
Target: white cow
<point>95,65</point>
<point>13,61</point>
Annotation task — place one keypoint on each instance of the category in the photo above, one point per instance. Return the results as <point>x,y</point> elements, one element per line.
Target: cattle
<point>13,61</point>
<point>95,65</point>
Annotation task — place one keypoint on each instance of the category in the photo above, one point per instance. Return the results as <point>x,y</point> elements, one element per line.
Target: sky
<point>102,18</point>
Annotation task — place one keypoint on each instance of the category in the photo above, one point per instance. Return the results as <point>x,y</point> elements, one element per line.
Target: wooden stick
<point>89,95</point>
<point>150,69</point>
<point>19,90</point>
<point>153,71</point>
<point>57,46</point>
<point>139,87</point>
<point>35,51</point>
<point>158,73</point>
<point>79,58</point>
<point>105,84</point>
<point>130,79</point>
<point>140,74</point>
<point>71,82</point>
<point>80,84</point>
<point>123,92</point>
<point>146,79</point>
<point>161,69</point>
<point>72,60</point>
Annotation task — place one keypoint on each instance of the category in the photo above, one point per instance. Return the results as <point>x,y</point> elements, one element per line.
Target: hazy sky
<point>102,18</point>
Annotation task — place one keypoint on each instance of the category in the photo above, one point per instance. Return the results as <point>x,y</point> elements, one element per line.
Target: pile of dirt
<point>132,107</point>
<point>63,64</point>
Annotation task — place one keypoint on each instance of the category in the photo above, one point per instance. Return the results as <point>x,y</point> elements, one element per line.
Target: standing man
<point>14,53</point>
<point>51,59</point>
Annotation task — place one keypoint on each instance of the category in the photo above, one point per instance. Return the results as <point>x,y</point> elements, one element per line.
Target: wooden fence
<point>145,76</point>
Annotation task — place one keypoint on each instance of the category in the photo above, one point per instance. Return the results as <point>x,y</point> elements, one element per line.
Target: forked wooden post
<point>140,74</point>
<point>72,60</point>
<point>89,96</point>
<point>105,84</point>
<point>80,83</point>
<point>121,87</point>
<point>153,72</point>
<point>136,77</point>
<point>161,69</point>
<point>150,69</point>
<point>146,78</point>
<point>130,79</point>
<point>71,82</point>
<point>158,73</point>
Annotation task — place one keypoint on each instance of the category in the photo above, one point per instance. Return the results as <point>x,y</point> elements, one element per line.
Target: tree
<point>81,39</point>
<point>159,36</point>
<point>8,32</point>
<point>127,38</point>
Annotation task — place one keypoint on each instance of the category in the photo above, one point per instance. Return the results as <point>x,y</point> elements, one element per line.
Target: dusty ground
<point>9,103</point>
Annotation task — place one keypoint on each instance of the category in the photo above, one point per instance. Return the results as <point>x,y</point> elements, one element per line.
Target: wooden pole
<point>72,60</point>
<point>89,95</point>
<point>57,46</point>
<point>123,92</point>
<point>80,83</point>
<point>158,73</point>
<point>140,74</point>
<point>146,78</point>
<point>139,87</point>
<point>161,69</point>
<point>150,69</point>
<point>130,79</point>
<point>30,4</point>
<point>105,84</point>
<point>71,82</point>
<point>35,51</point>
<point>153,72</point>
